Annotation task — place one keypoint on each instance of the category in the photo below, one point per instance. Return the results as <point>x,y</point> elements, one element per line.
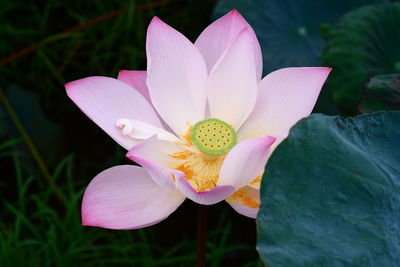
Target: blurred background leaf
<point>382,93</point>
<point>43,132</point>
<point>289,31</point>
<point>364,43</point>
<point>331,194</point>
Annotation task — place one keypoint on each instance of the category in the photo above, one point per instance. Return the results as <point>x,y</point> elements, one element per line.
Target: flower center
<point>213,136</point>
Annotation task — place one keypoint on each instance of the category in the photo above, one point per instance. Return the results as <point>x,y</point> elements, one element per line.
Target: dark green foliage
<point>364,43</point>
<point>43,132</point>
<point>36,230</point>
<point>382,93</point>
<point>331,194</point>
<point>289,31</point>
<point>65,42</point>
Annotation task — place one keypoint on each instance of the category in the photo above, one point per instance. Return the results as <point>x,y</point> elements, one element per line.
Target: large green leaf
<point>288,30</point>
<point>382,93</point>
<point>364,43</point>
<point>331,194</point>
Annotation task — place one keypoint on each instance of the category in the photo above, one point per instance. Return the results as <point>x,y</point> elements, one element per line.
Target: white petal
<point>232,87</point>
<point>141,130</point>
<point>176,77</point>
<point>245,162</point>
<point>285,96</point>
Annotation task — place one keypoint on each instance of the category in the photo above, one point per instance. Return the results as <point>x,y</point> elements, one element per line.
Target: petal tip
<point>326,69</point>
<point>86,221</point>
<point>69,86</point>
<point>155,21</point>
<point>121,72</point>
<point>234,13</point>
<point>130,155</point>
<point>269,140</point>
<point>73,86</point>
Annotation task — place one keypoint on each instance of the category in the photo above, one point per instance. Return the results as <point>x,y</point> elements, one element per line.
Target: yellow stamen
<point>199,170</point>
<point>256,182</point>
<point>241,197</point>
<point>201,166</point>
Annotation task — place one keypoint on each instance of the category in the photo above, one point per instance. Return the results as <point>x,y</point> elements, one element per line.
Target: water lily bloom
<point>200,121</point>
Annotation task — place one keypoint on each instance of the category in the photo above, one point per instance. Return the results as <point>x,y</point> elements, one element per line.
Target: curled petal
<point>245,162</point>
<point>284,97</point>
<point>219,35</point>
<point>152,154</point>
<point>208,197</point>
<point>125,197</point>
<point>141,130</point>
<point>105,100</point>
<point>176,76</point>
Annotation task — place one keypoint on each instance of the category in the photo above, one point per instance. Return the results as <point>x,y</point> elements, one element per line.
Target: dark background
<point>43,45</point>
<point>49,150</point>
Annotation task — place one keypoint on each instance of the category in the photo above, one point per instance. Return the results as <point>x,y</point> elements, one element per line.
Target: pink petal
<point>285,96</point>
<point>218,36</point>
<point>232,89</point>
<point>250,212</point>
<point>125,197</point>
<point>105,100</point>
<point>245,162</point>
<point>176,76</point>
<point>209,197</point>
<point>246,211</point>
<point>136,79</point>
<point>152,154</point>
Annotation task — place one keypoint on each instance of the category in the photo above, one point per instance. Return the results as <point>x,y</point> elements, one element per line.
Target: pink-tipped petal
<point>125,197</point>
<point>152,154</point>
<point>245,162</point>
<point>232,88</point>
<point>176,76</point>
<point>246,201</point>
<point>105,100</point>
<point>220,34</point>
<point>209,197</point>
<point>136,79</point>
<point>284,97</point>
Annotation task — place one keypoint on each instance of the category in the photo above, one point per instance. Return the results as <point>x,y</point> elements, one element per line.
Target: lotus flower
<point>200,121</point>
